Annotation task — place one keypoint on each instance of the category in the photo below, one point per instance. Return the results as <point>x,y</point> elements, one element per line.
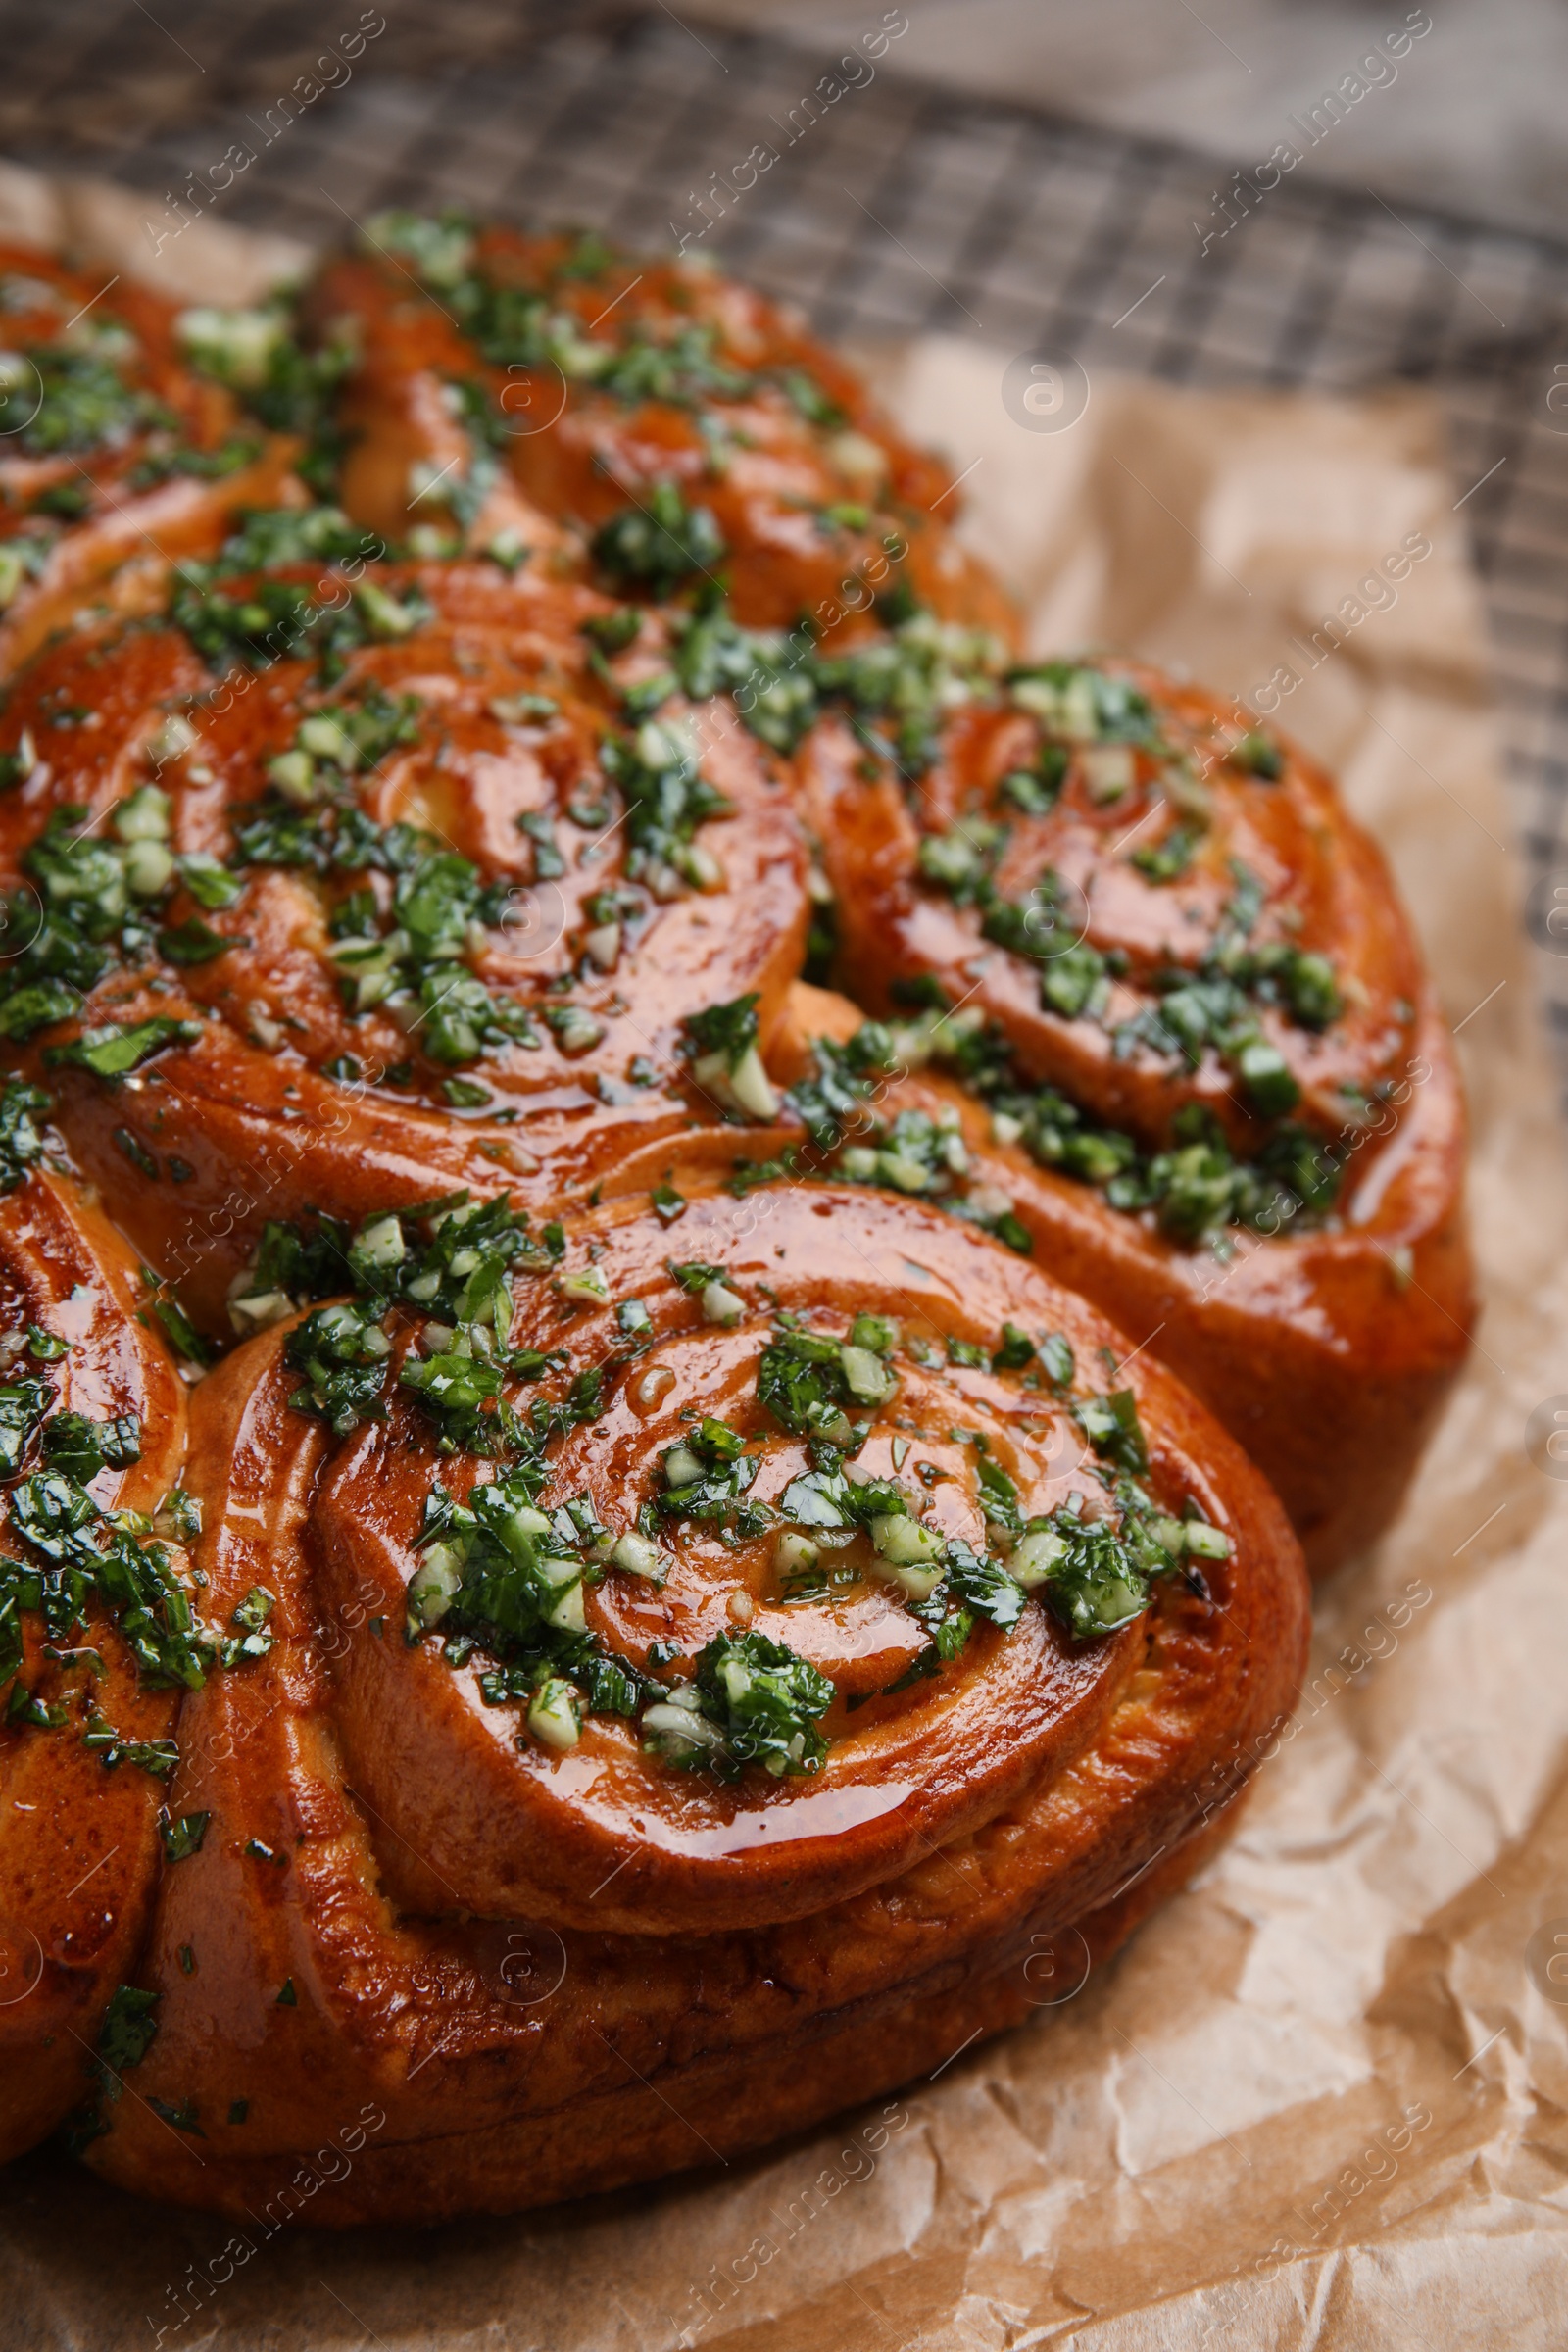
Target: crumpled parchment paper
<point>1322,2100</point>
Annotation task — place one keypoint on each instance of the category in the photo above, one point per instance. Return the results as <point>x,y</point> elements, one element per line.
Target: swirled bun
<point>680,425</point>
<point>1201,1066</point>
<point>92,1692</point>
<point>117,454</point>
<point>1168,947</point>
<point>943,1787</point>
<point>434,918</point>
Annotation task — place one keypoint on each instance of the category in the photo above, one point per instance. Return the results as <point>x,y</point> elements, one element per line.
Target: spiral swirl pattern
<point>608,1544</point>
<point>753,1740</point>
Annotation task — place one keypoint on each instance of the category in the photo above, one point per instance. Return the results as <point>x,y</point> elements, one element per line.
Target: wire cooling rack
<point>897,208</point>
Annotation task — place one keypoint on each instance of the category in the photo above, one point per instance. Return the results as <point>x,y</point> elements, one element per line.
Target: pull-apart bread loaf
<point>622,1129</point>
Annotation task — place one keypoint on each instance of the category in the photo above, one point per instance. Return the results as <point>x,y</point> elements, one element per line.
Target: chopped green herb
<point>833,1099</point>
<point>180,1331</point>
<point>1168,860</point>
<point>998,1497</point>
<point>249,1638</point>
<point>183,1837</point>
<point>729,1029</point>
<point>22,1406</point>
<point>342,1351</point>
<point>1258,754</point>
<point>1110,1424</point>
<point>182,2114</point>
<point>112,1051</point>
<point>1093,1585</point>
<point>194,942</point>
<point>986,1589</point>
<point>81,1447</point>
<point>210,884</point>
<point>157,1757</point>
<point>764,1701</point>
<point>22,1145</point>
<point>694,1276</point>
<point>666,800</point>
<point>800,1379</point>
<point>85,405</point>
<point>656,545</point>
<point>127,2034</point>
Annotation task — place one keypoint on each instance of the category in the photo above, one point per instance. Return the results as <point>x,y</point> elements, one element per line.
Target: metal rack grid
<point>900,209</point>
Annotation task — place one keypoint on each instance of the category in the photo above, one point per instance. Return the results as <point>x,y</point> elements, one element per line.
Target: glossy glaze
<point>1325,887</point>
<point>489,1976</point>
<point>123,519</point>
<point>568,2041</point>
<point>816,517</point>
<point>1328,1353</point>
<point>78,1852</point>
<point>250,1108</point>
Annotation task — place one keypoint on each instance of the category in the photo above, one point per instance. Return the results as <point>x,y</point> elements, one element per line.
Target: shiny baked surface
<point>1183,1025</point>
<point>117,451</point>
<point>688,425</point>
<point>690,1914</point>
<point>691,1553</point>
<point>89,1733</point>
<point>483,897</point>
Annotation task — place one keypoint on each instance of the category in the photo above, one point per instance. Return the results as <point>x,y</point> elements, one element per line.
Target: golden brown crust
<point>746,2031</point>
<point>79,1860</point>
<point>82,499</point>
<point>441,1949</point>
<point>1327,1353</point>
<point>1328,1336</point>
<point>283,1097</point>
<point>819,503</point>
<point>625,2130</point>
<point>1323,885</point>
<point>518,1831</point>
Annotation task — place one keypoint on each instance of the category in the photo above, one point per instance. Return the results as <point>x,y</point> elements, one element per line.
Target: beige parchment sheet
<point>1320,2100</point>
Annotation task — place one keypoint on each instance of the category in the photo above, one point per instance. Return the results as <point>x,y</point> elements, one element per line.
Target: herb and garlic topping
<point>112,441</point>
<point>84,1566</point>
<point>1150,918</point>
<point>804,1482</point>
<point>688,429</point>
<point>1191,1193</point>
<point>406,827</point>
